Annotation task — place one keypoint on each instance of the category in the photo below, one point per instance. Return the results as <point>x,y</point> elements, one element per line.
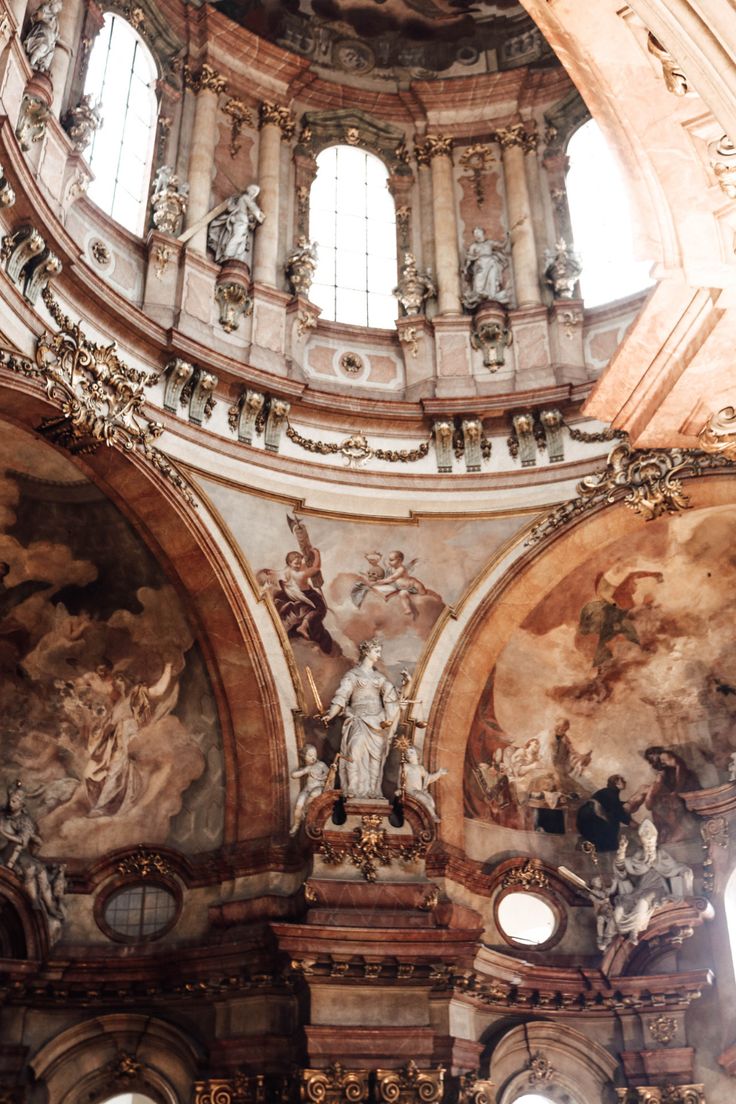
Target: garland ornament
<point>100,397</point>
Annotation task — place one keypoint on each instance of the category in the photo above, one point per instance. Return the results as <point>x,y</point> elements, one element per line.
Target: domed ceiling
<point>392,39</point>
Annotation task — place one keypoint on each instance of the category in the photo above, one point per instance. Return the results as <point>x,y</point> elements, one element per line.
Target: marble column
<point>207,84</point>
<point>276,124</point>
<point>439,151</point>
<point>70,19</point>
<point>426,216</point>
<point>514,140</point>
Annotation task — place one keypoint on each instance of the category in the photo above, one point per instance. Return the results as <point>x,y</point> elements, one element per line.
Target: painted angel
<point>396,580</point>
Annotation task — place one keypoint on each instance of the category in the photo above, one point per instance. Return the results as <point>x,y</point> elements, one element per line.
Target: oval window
<point>526,919</point>
<point>140,912</point>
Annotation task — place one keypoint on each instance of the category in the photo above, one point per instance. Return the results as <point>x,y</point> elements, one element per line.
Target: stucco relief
<point>617,693</point>
<point>108,715</point>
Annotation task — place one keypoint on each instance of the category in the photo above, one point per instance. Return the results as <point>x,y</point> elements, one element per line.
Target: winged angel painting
<point>108,714</point>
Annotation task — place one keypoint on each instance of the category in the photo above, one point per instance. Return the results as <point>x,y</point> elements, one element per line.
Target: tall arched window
<point>122,76</point>
<point>353,220</point>
<point>601,220</point>
<point>729,901</point>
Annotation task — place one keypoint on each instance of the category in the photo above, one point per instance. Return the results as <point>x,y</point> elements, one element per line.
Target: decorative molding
<point>7,194</point>
<point>352,364</point>
<point>522,441</point>
<point>239,116</point>
<point>100,397</point>
<point>662,1094</point>
<point>124,1067</point>
<point>28,261</point>
<point>271,114</point>
<point>522,134</point>
<point>723,161</point>
<point>233,303</point>
<point>202,395</point>
<point>718,435</point>
<point>443,431</point>
<point>356,449</point>
<point>355,128</point>
<point>276,422</point>
<point>246,415</point>
<point>493,337</point>
<point>410,1085</point>
<point>674,78</point>
<point>145,864</point>
<point>334,1085</point>
<point>240,1089</point>
<point>648,481</point>
<point>32,119</point>
<point>436,145</point>
<point>553,424</point>
<point>714,832</point>
<point>540,1068</point>
<point>178,374</point>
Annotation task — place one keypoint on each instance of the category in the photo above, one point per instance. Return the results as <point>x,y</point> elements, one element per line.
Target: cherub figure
<point>415,780</point>
<point>396,580</point>
<point>315,772</point>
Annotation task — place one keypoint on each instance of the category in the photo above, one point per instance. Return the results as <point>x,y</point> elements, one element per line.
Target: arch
<point>551,1059</point>
<point>123,1052</point>
<point>352,216</point>
<point>465,652</point>
<point>122,71</point>
<point>23,933</point>
<point>253,732</point>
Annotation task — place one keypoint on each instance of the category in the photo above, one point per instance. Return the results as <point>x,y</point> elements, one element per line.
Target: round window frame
<point>551,900</point>
<point>108,892</point>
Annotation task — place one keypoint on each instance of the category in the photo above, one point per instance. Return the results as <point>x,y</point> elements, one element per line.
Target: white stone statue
<point>230,233</point>
<point>370,704</point>
<point>562,268</point>
<point>169,201</point>
<point>315,772</point>
<point>644,880</point>
<point>40,41</point>
<point>483,268</point>
<point>416,780</point>
<point>732,767</point>
<point>45,885</point>
<point>414,287</point>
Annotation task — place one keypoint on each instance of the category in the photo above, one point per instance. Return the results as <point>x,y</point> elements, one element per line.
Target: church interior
<point>367,572</point>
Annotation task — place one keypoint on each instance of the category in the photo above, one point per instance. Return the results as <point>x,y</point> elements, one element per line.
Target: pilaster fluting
<point>207,84</point>
<point>70,18</point>
<point>276,124</point>
<point>426,214</point>
<point>514,141</point>
<point>447,258</point>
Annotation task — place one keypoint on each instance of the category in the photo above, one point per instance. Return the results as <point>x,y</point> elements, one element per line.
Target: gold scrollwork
<point>663,1029</point>
<point>239,116</point>
<point>145,864</point>
<point>476,160</point>
<point>271,114</point>
<point>718,435</point>
<point>528,876</point>
<point>205,79</point>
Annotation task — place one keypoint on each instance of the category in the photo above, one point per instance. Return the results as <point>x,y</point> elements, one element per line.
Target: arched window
<point>353,220</point>
<point>601,220</point>
<point>729,902</point>
<point>121,77</point>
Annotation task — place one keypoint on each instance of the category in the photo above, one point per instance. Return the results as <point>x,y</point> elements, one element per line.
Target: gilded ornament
<point>476,1090</point>
<point>7,195</point>
<point>410,1085</point>
<point>540,1069</point>
<point>414,287</point>
<point>169,201</point>
<point>82,122</point>
<point>562,269</point>
<point>410,336</point>
<point>305,321</point>
<point>32,119</point>
<point>723,160</point>
<point>239,116</point>
<point>430,900</point>
<point>205,79</point>
<point>233,302</point>
<point>718,435</point>
<point>421,153</point>
<point>100,253</point>
<point>370,847</point>
<point>100,397</point>
<point>300,265</point>
<point>124,1066</point>
<point>521,134</point>
<point>492,337</point>
<point>356,449</point>
<point>161,254</point>
<point>145,864</point>
<point>437,145</point>
<point>334,1085</point>
<point>352,135</point>
<point>528,876</point>
<point>674,78</point>
<point>663,1029</point>
<point>403,223</point>
<point>477,160</point>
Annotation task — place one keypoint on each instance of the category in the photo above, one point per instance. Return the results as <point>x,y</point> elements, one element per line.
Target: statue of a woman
<point>483,268</point>
<point>370,704</point>
<point>229,234</point>
<point>18,836</point>
<point>40,42</point>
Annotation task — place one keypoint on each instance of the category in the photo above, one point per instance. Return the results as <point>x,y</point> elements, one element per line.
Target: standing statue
<point>230,233</point>
<point>45,885</point>
<point>562,267</point>
<point>414,287</point>
<point>416,779</point>
<point>169,201</point>
<point>300,265</point>
<point>370,704</point>
<point>40,41</point>
<point>483,268</point>
<point>316,773</point>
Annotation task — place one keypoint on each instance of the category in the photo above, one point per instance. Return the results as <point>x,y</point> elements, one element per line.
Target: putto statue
<point>230,233</point>
<point>370,705</point>
<point>316,773</point>
<point>81,122</point>
<point>414,288</point>
<point>483,268</point>
<point>300,265</point>
<point>40,42</point>
<point>562,269</point>
<point>415,781</point>
<point>169,201</point>
<point>45,885</point>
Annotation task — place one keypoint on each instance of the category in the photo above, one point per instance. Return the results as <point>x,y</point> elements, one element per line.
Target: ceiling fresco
<point>626,668</point>
<point>109,718</point>
<point>379,37</point>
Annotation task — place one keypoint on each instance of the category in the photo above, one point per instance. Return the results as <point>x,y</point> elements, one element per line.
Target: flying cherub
<point>390,578</point>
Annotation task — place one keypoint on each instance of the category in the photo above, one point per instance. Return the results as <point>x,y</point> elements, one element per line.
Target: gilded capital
<point>438,145</point>
<point>271,114</point>
<point>207,79</point>
<point>518,134</point>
